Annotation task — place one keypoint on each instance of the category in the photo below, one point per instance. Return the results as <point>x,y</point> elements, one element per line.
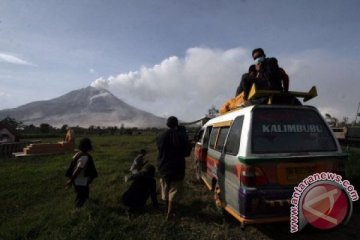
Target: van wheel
<point>227,217</point>
<point>217,198</point>
<point>220,206</point>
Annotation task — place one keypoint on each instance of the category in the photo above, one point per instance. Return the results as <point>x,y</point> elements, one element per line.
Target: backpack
<point>90,170</point>
<point>69,172</point>
<point>271,73</point>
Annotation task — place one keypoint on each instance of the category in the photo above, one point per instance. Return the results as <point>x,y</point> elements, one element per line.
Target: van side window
<point>221,139</point>
<point>199,135</point>
<point>213,136</point>
<point>233,140</point>
<point>207,137</point>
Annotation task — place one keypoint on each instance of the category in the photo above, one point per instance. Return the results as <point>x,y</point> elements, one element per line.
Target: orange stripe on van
<point>255,221</point>
<point>211,163</point>
<point>206,183</point>
<point>237,170</point>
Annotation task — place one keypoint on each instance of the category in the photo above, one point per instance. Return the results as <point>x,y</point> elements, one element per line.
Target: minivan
<point>252,157</point>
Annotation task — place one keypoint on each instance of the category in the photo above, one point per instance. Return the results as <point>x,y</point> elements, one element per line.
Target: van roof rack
<point>272,94</point>
<point>266,96</point>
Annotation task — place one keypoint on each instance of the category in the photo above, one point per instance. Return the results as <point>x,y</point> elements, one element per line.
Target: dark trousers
<point>82,194</point>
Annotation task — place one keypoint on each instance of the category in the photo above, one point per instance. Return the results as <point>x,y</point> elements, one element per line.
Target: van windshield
<point>286,130</point>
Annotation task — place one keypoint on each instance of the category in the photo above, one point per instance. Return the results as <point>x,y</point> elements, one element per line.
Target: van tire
<point>217,198</point>
<point>219,204</point>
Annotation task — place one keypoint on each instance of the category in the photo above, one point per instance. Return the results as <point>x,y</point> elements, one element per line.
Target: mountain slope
<point>83,107</point>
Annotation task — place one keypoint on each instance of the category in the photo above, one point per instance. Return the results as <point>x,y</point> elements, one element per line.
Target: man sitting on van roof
<point>269,70</point>
<point>265,74</point>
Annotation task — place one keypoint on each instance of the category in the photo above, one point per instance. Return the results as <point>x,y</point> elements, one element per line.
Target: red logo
<point>325,206</point>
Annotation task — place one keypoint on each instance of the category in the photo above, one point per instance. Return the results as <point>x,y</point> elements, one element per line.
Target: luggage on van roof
<point>267,97</point>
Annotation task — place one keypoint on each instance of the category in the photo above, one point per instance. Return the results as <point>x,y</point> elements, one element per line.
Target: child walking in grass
<point>82,172</point>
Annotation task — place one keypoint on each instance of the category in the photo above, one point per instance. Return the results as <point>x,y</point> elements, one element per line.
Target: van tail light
<point>252,176</point>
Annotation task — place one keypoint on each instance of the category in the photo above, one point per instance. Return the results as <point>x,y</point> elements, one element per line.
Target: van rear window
<point>290,130</point>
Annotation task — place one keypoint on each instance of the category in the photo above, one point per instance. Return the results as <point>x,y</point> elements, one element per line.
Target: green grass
<point>34,203</point>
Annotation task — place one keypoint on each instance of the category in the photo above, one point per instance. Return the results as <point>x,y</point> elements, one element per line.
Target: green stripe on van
<point>256,160</point>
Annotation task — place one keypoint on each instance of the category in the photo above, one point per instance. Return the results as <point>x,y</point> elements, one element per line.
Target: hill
<point>84,107</point>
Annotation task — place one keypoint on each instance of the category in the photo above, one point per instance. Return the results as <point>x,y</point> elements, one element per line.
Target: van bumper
<point>263,204</point>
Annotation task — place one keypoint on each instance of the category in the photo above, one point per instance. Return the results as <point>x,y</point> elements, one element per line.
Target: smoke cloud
<point>188,86</point>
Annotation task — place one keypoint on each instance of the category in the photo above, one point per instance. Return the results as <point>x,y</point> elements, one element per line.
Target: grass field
<point>34,203</point>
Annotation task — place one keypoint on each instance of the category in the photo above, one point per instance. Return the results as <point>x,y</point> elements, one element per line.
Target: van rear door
<point>289,144</point>
<point>289,130</point>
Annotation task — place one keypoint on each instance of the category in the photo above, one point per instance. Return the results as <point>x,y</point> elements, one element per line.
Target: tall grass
<point>34,203</point>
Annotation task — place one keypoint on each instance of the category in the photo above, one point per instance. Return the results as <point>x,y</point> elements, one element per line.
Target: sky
<point>177,57</point>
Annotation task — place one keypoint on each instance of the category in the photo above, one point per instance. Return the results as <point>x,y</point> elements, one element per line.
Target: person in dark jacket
<point>172,147</point>
<point>142,187</point>
<point>269,70</point>
<point>247,80</point>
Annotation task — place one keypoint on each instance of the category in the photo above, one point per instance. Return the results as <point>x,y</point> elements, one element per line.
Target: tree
<point>112,130</point>
<point>91,129</point>
<point>64,128</point>
<point>45,128</point>
<point>30,128</point>
<point>10,122</point>
<point>122,129</point>
<point>345,121</point>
